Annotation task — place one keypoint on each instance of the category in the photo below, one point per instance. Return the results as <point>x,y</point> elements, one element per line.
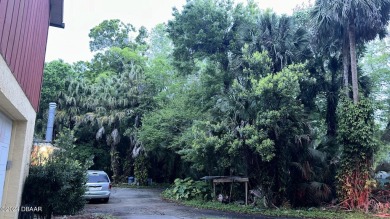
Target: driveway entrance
<point>128,203</point>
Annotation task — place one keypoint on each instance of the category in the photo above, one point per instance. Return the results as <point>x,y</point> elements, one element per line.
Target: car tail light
<point>109,186</point>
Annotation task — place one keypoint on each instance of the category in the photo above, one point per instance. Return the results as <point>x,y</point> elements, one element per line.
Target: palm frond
<point>100,133</point>
<point>115,137</point>
<point>317,155</point>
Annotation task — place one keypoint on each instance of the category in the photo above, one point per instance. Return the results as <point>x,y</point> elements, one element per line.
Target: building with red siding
<point>24,26</point>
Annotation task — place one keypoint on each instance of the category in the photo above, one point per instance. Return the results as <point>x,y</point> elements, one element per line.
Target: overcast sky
<point>72,43</point>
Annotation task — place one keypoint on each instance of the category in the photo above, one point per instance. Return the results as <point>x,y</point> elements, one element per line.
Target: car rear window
<point>96,178</point>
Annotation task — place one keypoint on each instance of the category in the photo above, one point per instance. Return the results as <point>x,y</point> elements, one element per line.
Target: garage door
<point>5,139</point>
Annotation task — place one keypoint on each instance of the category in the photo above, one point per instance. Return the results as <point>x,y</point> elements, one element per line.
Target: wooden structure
<point>229,179</point>
<point>24,26</point>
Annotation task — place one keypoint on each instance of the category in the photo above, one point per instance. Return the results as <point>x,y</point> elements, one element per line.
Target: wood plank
<point>12,34</point>
<point>22,40</point>
<point>29,74</point>
<point>27,62</point>
<point>35,89</point>
<point>43,53</point>
<point>24,26</point>
<point>229,180</point>
<point>7,28</point>
<point>232,180</point>
<point>3,11</point>
<point>30,87</point>
<point>18,33</point>
<point>38,55</point>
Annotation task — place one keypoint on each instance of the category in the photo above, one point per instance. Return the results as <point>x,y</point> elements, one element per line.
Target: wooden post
<point>232,180</point>
<point>231,188</point>
<point>215,197</point>
<point>246,193</point>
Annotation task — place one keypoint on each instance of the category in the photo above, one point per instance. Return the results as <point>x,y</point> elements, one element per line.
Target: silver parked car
<point>98,186</point>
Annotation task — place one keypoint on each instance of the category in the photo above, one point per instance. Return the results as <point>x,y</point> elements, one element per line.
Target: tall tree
<point>360,21</point>
<point>110,33</point>
<point>280,36</point>
<point>56,73</point>
<point>202,29</point>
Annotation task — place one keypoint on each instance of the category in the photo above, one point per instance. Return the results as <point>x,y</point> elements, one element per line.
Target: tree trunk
<point>114,163</point>
<point>346,64</point>
<point>331,102</point>
<point>352,47</point>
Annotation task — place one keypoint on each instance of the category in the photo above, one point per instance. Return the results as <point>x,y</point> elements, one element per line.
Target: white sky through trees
<point>72,43</point>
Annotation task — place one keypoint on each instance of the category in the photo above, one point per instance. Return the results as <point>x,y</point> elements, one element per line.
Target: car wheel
<point>105,200</point>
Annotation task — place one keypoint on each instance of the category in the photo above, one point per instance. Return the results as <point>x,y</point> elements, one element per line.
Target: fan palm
<point>71,103</point>
<point>120,100</point>
<point>284,41</point>
<point>359,20</point>
<point>312,177</point>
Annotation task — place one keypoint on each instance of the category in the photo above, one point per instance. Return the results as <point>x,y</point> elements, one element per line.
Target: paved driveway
<point>127,203</point>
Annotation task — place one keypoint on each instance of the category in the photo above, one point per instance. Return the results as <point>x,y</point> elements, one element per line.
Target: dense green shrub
<point>141,170</point>
<point>188,189</point>
<point>57,185</point>
<point>356,135</point>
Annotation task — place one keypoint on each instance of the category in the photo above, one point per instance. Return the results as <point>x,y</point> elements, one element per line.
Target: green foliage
<point>282,118</point>
<point>209,149</point>
<point>65,141</point>
<point>160,44</point>
<point>110,33</point>
<point>161,127</point>
<point>114,61</point>
<point>188,189</point>
<point>374,64</point>
<point>141,170</point>
<point>202,27</point>
<point>285,41</point>
<point>56,73</point>
<point>369,19</point>
<point>312,178</point>
<point>160,71</point>
<point>356,134</point>
<point>351,23</point>
<point>356,130</point>
<point>142,35</point>
<point>111,95</point>
<point>280,212</point>
<point>58,185</point>
<point>220,90</point>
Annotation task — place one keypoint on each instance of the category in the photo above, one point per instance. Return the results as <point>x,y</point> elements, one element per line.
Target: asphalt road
<point>128,203</point>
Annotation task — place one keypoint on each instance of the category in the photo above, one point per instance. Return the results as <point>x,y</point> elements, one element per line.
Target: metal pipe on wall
<point>50,121</point>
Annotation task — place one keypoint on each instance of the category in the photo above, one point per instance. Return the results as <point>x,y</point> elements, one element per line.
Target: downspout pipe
<point>50,122</point>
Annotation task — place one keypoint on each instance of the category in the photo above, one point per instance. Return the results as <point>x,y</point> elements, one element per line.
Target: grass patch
<point>298,213</point>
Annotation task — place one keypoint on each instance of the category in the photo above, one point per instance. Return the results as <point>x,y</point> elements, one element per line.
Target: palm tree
<point>284,41</point>
<point>312,178</point>
<point>360,20</point>
<point>71,103</point>
<point>116,105</point>
<point>112,140</point>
